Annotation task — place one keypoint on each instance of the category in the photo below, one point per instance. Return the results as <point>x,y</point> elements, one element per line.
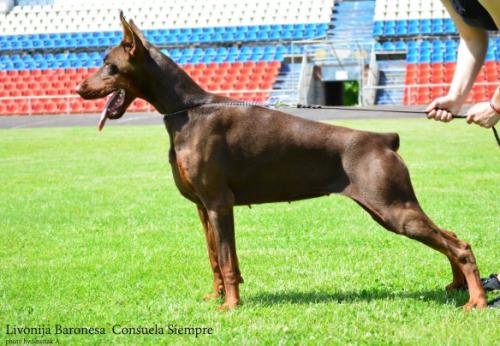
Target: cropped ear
<point>139,33</point>
<point>130,40</point>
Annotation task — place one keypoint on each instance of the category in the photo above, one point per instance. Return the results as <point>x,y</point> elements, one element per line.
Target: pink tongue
<point>102,121</point>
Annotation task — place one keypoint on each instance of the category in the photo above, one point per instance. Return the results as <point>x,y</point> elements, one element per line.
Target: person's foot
<point>495,303</point>
<point>491,283</point>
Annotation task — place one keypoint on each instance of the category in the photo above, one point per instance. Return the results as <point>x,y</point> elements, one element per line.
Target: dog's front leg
<point>212,255</point>
<point>220,214</point>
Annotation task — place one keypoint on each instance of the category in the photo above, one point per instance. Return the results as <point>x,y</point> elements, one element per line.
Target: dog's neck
<point>167,87</point>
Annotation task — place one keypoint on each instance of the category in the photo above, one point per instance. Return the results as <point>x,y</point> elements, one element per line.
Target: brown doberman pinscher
<point>225,154</point>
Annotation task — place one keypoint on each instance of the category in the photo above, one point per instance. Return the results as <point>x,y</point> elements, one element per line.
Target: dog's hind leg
<point>381,184</point>
<point>212,255</point>
<point>458,282</point>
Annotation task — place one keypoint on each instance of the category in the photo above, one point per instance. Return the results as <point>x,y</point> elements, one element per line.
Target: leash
<point>495,132</point>
<point>234,104</point>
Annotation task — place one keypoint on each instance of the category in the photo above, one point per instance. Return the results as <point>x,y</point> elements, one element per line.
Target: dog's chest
<point>181,172</point>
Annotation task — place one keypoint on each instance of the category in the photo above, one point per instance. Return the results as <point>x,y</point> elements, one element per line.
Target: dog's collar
<point>215,104</point>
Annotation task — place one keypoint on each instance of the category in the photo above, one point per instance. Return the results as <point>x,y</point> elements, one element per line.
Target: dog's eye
<point>111,69</point>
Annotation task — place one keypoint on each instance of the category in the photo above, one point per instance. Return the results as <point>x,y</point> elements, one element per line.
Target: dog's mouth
<point>115,106</point>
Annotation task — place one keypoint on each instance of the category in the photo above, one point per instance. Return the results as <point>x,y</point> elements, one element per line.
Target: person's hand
<point>483,115</point>
<point>443,108</point>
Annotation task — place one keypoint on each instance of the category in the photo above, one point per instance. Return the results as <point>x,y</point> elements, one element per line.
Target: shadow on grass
<point>457,298</point>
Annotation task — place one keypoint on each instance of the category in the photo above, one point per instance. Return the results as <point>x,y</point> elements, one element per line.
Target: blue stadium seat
<point>182,39</point>
<point>389,30</point>
<point>196,31</point>
<point>228,36</point>
<point>239,36</point>
<point>233,51</point>
<point>437,57</point>
<point>198,52</point>
<point>263,36</point>
<point>15,45</point>
<point>400,45</point>
<point>297,34</point>
<point>388,46</point>
<point>401,31</point>
<point>184,60</point>
<point>251,36</point>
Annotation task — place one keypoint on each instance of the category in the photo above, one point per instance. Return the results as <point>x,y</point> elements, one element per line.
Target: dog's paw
<point>479,303</point>
<point>212,296</point>
<point>215,295</point>
<point>229,306</point>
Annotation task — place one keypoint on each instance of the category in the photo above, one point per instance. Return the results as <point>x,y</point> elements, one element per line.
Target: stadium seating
<point>166,37</point>
<point>427,81</point>
<point>232,47</point>
<point>235,78</point>
<point>181,56</point>
<point>423,30</point>
<point>431,64</point>
<point>411,18</point>
<point>98,16</point>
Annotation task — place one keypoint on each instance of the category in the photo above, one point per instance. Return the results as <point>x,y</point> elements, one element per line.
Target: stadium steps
<point>392,72</point>
<point>287,79</point>
<point>352,22</point>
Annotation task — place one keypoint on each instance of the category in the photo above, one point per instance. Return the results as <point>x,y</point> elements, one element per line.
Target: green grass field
<point>94,233</point>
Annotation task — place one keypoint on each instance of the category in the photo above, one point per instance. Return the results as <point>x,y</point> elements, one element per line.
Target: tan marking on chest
<point>183,175</point>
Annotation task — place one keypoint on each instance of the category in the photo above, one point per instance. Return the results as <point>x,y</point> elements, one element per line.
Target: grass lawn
<point>93,233</point>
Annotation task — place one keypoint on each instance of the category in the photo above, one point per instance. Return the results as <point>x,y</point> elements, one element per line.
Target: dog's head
<point>120,74</point>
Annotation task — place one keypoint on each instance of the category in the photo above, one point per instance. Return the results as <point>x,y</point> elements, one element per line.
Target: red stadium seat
<point>230,78</point>
<point>213,87</point>
<point>243,78</point>
<point>233,70</point>
<point>255,77</point>
<point>12,109</point>
<point>227,86</point>
<point>261,70</point>
<point>195,73</point>
<point>203,80</point>
<point>212,66</point>
<point>216,79</point>
<point>252,86</point>
<point>239,85</point>
<point>237,64</point>
<point>62,106</point>
<point>76,105</point>
<point>50,107</point>
<point>266,85</point>
<point>37,106</point>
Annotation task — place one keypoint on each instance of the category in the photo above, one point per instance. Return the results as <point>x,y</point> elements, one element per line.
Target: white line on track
<point>32,123</point>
